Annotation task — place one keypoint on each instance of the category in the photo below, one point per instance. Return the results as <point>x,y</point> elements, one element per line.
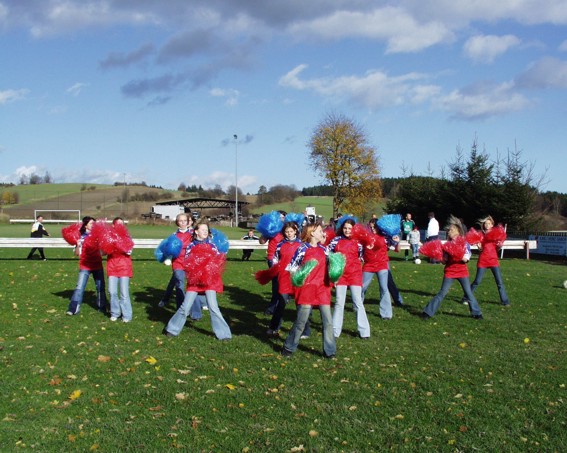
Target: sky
<point>101,91</point>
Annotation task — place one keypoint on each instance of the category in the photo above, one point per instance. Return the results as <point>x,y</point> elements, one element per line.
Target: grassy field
<point>448,384</point>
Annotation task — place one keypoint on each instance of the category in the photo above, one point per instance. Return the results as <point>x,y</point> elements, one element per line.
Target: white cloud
<point>12,95</point>
<point>230,95</point>
<point>76,89</point>
<point>482,101</point>
<point>374,90</point>
<point>394,25</point>
<point>485,48</point>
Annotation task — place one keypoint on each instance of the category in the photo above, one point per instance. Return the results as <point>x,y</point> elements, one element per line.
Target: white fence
<point>234,244</point>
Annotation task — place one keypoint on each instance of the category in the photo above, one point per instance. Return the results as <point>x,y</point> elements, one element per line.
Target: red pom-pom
<point>474,236</point>
<point>363,235</point>
<point>115,239</point>
<point>329,235</point>
<point>100,231</point>
<point>456,248</point>
<point>72,233</point>
<point>432,249</point>
<point>496,234</point>
<point>204,266</point>
<point>266,276</point>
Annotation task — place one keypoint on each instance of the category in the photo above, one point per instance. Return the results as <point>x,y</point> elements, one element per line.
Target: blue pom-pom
<point>270,224</point>
<point>170,247</point>
<point>389,224</point>
<point>295,217</point>
<point>158,253</point>
<point>339,224</point>
<point>219,239</point>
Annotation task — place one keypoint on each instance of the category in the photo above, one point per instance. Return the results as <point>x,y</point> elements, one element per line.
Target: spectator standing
<point>246,253</point>
<point>414,240</point>
<point>432,232</point>
<point>407,227</point>
<point>38,231</point>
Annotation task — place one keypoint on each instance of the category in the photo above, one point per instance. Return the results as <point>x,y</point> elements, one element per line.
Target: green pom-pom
<point>298,278</point>
<point>337,262</point>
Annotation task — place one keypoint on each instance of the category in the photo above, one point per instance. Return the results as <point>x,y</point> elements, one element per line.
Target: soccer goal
<point>58,215</point>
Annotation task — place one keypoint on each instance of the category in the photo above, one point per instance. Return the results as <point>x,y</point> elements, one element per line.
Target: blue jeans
<point>415,251</point>
<point>277,317</point>
<point>177,283</point>
<point>385,300</point>
<point>120,305</point>
<point>77,297</point>
<point>297,330</point>
<point>338,315</point>
<point>434,303</point>
<point>499,283</point>
<point>394,292</point>
<point>219,325</point>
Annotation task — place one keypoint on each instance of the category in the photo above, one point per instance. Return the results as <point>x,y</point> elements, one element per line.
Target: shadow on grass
<point>89,298</point>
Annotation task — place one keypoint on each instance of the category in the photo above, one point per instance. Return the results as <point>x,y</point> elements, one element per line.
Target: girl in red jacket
<point>203,265</point>
<point>490,241</point>
<point>90,262</point>
<point>456,254</point>
<point>351,279</point>
<point>119,271</point>
<point>282,257</point>
<point>314,292</point>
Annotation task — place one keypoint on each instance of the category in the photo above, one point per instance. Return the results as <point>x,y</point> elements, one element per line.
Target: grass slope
<point>450,384</point>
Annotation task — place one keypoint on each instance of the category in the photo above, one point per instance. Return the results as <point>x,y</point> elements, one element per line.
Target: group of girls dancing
<point>308,261</point>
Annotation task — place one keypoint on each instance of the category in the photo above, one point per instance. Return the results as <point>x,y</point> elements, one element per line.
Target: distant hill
<point>97,200</point>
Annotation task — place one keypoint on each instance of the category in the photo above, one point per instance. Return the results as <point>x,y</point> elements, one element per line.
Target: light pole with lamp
<point>236,178</point>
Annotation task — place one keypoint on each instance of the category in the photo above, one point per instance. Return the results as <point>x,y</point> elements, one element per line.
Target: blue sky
<point>147,90</point>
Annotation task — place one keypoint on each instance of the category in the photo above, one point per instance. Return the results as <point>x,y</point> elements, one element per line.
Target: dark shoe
<point>365,338</point>
<point>330,357</point>
<point>286,353</point>
<point>167,334</point>
<point>477,317</point>
<point>424,316</point>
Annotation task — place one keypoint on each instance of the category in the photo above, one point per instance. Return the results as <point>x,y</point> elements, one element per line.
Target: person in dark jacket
<point>37,231</point>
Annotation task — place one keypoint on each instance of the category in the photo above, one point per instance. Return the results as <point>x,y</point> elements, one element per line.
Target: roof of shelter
<point>202,203</point>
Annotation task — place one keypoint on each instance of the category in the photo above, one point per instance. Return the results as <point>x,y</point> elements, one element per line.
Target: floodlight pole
<point>236,178</point>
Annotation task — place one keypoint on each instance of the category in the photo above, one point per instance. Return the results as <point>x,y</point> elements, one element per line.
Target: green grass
<point>448,384</point>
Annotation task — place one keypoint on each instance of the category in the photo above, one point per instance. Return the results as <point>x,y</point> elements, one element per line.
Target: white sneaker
<point>304,337</point>
<point>161,304</point>
<point>69,313</point>
<point>205,308</point>
<point>272,333</point>
<point>113,318</point>
<point>125,320</point>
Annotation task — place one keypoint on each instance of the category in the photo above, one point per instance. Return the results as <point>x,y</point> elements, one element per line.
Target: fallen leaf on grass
<point>151,360</point>
<point>230,386</point>
<point>103,358</point>
<point>74,395</point>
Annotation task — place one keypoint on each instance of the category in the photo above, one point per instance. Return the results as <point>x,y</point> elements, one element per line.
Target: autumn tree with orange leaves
<point>340,153</point>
